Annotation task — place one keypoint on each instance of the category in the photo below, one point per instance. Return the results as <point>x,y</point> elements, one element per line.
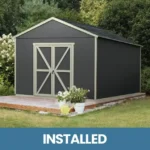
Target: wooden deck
<point>46,104</point>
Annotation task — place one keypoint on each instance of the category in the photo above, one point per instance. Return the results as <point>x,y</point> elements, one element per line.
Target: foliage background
<point>130,19</point>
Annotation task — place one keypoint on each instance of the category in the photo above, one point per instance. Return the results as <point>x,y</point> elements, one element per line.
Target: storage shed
<point>57,54</point>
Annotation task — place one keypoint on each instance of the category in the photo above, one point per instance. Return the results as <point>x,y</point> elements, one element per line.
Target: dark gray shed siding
<point>118,70</point>
<point>55,32</point>
<point>54,29</point>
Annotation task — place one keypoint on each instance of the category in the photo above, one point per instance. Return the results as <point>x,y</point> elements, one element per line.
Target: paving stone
<point>43,113</point>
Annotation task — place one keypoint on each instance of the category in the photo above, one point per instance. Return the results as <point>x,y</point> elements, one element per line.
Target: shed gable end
<point>53,29</point>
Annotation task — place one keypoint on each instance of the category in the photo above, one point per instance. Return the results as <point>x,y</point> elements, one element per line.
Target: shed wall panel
<point>83,62</point>
<point>118,70</point>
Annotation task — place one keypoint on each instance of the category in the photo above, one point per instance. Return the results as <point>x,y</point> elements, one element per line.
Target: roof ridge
<point>103,33</point>
<point>85,28</point>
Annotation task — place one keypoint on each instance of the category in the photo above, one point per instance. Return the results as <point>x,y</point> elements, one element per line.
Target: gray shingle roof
<point>102,33</point>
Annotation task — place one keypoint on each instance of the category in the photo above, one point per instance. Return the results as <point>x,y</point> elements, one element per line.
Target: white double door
<point>53,66</point>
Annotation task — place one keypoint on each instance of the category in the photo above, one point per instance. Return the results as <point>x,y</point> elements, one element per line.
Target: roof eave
<point>60,21</point>
<point>121,41</point>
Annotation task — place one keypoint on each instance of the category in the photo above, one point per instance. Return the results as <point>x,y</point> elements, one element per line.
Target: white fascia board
<point>120,41</point>
<point>60,21</point>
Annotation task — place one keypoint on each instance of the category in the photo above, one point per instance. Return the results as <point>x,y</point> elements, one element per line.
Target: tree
<point>92,10</point>
<point>71,15</point>
<point>47,1</point>
<point>6,60</point>
<point>119,16</point>
<point>65,4</point>
<point>34,11</point>
<point>10,15</point>
<point>68,4</point>
<point>141,33</point>
<point>131,20</point>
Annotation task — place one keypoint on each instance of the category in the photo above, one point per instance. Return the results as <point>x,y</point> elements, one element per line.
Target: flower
<point>3,51</point>
<point>9,46</point>
<point>7,68</point>
<point>10,41</point>
<point>62,95</point>
<point>3,43</point>
<point>7,57</point>
<point>9,35</point>
<point>4,36</point>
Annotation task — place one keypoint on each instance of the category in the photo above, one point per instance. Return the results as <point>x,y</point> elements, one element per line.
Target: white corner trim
<point>66,51</point>
<point>15,66</point>
<point>95,68</point>
<point>52,44</point>
<point>60,21</point>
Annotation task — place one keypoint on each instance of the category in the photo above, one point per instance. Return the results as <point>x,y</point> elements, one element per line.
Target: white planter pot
<point>79,108</point>
<point>61,103</point>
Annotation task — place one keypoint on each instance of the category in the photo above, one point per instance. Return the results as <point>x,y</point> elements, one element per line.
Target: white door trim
<point>72,65</point>
<point>53,65</point>
<point>40,52</point>
<point>62,58</point>
<point>53,44</point>
<point>61,82</point>
<point>43,82</point>
<point>53,68</point>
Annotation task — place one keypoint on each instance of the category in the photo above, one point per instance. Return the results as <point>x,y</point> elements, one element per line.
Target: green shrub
<point>6,90</point>
<point>6,60</point>
<point>145,80</point>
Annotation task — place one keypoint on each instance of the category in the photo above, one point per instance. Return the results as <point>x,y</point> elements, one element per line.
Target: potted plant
<point>62,98</point>
<point>65,109</point>
<point>78,96</point>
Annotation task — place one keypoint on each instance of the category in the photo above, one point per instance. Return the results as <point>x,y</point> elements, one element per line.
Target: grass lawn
<point>131,114</point>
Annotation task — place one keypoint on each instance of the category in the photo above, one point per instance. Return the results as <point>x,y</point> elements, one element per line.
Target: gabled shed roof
<point>88,29</point>
<point>101,32</point>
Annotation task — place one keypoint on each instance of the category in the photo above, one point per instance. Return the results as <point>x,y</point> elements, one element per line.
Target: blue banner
<point>73,138</point>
